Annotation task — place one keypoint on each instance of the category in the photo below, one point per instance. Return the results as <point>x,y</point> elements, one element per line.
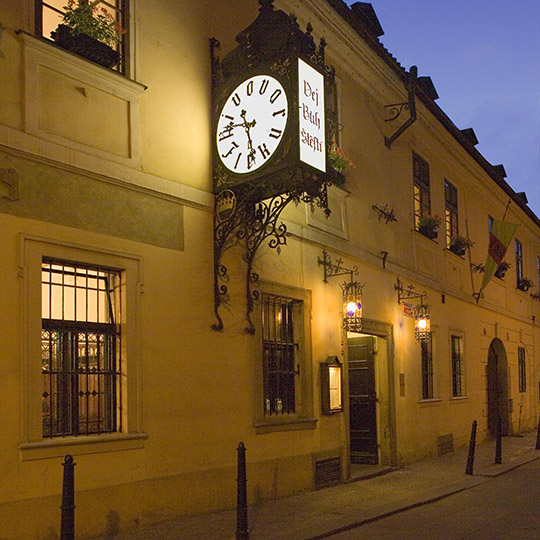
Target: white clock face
<point>251,124</point>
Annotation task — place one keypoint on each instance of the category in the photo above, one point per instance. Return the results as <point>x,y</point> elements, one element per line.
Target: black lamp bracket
<point>407,292</point>
<point>384,213</point>
<point>332,269</point>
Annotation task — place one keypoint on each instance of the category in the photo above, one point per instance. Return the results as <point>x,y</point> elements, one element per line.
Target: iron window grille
<point>519,262</point>
<point>280,350</point>
<point>522,370</point>
<point>421,188</point>
<point>451,211</point>
<point>48,15</point>
<point>427,369</point>
<point>81,344</point>
<point>458,371</point>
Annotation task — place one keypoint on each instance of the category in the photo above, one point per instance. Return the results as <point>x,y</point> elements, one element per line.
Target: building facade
<point>107,276</point>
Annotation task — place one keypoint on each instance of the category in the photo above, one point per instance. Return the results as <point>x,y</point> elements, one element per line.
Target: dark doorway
<point>362,401</point>
<point>497,387</point>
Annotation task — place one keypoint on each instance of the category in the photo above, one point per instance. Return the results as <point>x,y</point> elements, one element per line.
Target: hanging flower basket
<point>524,284</point>
<point>459,245</point>
<point>501,270</point>
<point>85,46</point>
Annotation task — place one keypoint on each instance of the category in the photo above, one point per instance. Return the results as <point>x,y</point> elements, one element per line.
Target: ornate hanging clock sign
<point>270,118</point>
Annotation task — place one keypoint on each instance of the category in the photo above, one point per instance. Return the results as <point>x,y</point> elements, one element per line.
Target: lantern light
<point>422,326</point>
<point>352,306</point>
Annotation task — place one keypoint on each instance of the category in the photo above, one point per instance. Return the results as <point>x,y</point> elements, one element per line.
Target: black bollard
<point>538,436</point>
<point>67,526</point>
<point>242,532</point>
<point>498,445</point>
<point>472,446</point>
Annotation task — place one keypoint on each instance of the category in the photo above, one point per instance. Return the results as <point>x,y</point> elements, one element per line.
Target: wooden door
<point>362,401</point>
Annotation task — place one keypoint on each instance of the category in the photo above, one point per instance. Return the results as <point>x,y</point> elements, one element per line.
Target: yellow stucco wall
<point>140,194</point>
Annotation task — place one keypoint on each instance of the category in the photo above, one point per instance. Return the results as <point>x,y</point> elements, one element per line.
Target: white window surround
<point>37,52</point>
<point>31,252</point>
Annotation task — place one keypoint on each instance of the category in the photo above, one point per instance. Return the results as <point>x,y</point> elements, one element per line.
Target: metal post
<point>67,527</point>
<point>498,445</point>
<point>242,532</point>
<point>538,436</point>
<point>472,446</point>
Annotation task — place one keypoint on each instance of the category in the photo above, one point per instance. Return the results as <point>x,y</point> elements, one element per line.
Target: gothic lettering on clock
<point>251,124</point>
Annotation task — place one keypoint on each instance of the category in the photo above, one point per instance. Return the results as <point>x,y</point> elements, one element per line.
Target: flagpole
<point>507,207</point>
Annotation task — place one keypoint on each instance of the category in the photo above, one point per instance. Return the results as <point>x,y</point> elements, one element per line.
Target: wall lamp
<point>422,320</point>
<point>352,291</point>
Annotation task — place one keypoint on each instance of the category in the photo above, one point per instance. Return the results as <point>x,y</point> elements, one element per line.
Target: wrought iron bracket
<point>384,213</point>
<point>395,109</point>
<point>408,292</point>
<point>334,269</point>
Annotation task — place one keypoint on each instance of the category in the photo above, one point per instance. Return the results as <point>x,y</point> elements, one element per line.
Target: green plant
<point>87,17</point>
<point>339,161</point>
<point>429,222</point>
<point>460,243</point>
<point>524,284</point>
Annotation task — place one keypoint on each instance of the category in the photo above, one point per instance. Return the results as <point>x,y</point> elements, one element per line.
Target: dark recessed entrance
<point>497,387</point>
<point>362,401</point>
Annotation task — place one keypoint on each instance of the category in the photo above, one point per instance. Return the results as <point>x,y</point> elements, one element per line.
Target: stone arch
<point>497,387</point>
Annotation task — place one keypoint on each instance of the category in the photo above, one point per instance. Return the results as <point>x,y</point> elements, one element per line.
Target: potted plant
<point>501,270</point>
<point>459,245</point>
<point>89,31</point>
<point>524,284</point>
<point>338,160</point>
<point>428,225</point>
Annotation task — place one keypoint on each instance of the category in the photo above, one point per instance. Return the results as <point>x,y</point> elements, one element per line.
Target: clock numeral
<point>263,150</point>
<point>282,113</point>
<point>264,86</point>
<point>234,146</point>
<point>250,159</point>
<point>225,134</point>
<point>249,88</point>
<point>236,99</point>
<point>275,95</point>
<point>238,160</point>
<point>275,133</point>
<point>228,117</point>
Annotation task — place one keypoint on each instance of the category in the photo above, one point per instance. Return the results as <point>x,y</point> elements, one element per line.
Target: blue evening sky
<point>483,57</point>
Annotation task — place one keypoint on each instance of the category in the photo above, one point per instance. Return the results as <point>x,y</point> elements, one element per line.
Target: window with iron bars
<point>48,15</point>
<point>451,211</point>
<point>458,371</point>
<point>427,370</point>
<point>280,349</point>
<point>522,370</point>
<point>421,188</point>
<point>81,343</point>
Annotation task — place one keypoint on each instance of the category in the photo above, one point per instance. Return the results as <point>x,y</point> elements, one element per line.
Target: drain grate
<point>327,472</point>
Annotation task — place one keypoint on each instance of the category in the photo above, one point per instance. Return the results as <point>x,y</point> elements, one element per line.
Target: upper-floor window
<point>519,262</point>
<point>491,219</point>
<point>80,349</point>
<point>421,189</point>
<point>451,211</point>
<point>93,29</point>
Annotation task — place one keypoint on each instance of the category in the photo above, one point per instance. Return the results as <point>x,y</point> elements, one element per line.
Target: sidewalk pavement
<point>318,514</point>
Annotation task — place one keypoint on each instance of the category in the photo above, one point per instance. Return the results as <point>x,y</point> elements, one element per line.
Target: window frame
<point>124,20</point>
<point>519,261</point>
<point>82,364</point>
<point>421,188</point>
<point>428,378</point>
<point>522,369</point>
<point>451,214</point>
<point>457,356</point>
<point>33,445</point>
<point>303,415</point>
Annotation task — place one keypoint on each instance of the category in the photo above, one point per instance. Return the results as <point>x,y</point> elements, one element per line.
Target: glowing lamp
<point>352,306</point>
<point>422,326</point>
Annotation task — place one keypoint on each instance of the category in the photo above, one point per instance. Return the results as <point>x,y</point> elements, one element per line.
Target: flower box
<point>85,46</point>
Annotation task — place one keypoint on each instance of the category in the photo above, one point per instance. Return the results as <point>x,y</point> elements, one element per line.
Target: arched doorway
<point>497,387</point>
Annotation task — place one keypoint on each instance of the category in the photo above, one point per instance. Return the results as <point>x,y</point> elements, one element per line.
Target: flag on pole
<point>500,237</point>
